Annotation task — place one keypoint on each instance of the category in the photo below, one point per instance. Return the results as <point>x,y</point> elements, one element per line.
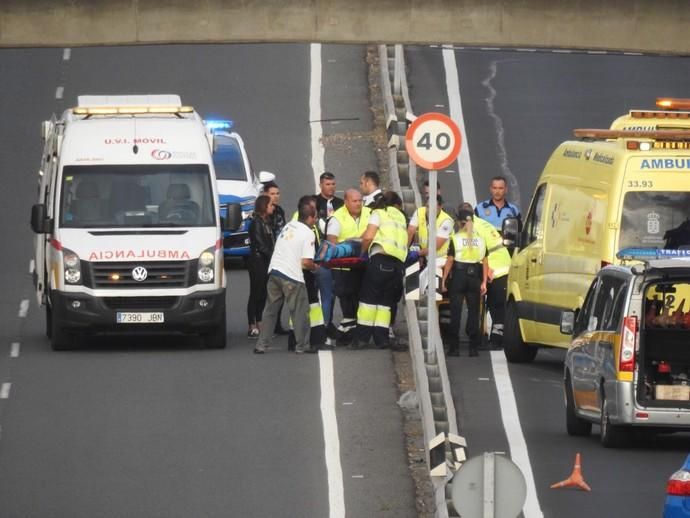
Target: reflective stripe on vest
<point>464,253</point>
<point>392,233</point>
<point>423,229</point>
<point>349,227</point>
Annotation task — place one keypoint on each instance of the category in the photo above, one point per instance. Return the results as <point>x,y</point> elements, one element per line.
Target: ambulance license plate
<point>140,318</point>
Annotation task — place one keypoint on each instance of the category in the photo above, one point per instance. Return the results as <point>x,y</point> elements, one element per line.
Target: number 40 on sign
<point>433,141</point>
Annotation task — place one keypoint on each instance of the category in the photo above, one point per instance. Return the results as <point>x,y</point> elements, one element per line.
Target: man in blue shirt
<point>497,208</point>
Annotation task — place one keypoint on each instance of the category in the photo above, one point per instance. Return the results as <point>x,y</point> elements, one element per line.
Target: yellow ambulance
<point>622,187</point>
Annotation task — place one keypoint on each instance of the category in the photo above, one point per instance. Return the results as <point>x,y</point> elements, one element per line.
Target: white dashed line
<point>526,50</point>
<point>561,51</point>
<point>633,54</point>
<point>14,351</point>
<point>66,54</point>
<point>597,52</point>
<point>439,105</point>
<point>490,48</point>
<point>5,390</point>
<point>357,476</point>
<point>23,308</point>
<point>346,403</point>
<point>32,266</point>
<point>59,91</point>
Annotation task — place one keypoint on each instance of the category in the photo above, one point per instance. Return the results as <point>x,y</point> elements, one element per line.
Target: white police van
<point>128,226</point>
<point>237,183</point>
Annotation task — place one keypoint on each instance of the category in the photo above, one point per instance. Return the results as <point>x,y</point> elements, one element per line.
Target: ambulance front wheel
<point>218,338</point>
<point>60,340</point>
<point>515,349</point>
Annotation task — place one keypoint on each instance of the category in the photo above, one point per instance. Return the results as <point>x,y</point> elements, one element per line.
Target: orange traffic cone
<point>575,479</point>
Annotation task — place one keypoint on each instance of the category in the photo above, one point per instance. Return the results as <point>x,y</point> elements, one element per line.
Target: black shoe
<point>355,345</point>
<point>331,331</point>
<point>343,340</point>
<point>259,351</point>
<point>280,331</point>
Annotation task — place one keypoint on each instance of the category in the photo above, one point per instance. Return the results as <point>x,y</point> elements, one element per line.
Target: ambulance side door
<point>526,264</point>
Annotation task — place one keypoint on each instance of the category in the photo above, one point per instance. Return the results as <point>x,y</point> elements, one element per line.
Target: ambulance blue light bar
<point>647,254</point>
<point>219,125</point>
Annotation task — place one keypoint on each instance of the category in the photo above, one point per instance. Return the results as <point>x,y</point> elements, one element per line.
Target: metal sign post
<point>433,142</point>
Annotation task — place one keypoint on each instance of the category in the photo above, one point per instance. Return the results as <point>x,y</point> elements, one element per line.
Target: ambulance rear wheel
<point>574,425</point>
<point>515,349</point>
<point>218,338</point>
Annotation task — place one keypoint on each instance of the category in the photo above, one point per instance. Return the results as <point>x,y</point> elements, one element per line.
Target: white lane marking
<point>317,150</point>
<point>32,265</point>
<point>345,403</point>
<point>59,91</point>
<point>562,51</point>
<point>513,430</point>
<point>23,308</point>
<point>526,50</point>
<point>500,135</point>
<point>336,493</point>
<point>14,350</point>
<point>483,379</point>
<point>439,105</point>
<point>455,103</point>
<point>633,54</point>
<point>5,390</point>
<point>66,54</point>
<point>357,476</point>
<point>489,48</point>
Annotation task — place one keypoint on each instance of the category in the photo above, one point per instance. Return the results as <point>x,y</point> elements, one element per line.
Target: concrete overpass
<point>658,26</point>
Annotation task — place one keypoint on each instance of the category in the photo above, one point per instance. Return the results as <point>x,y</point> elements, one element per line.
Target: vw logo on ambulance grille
<point>139,274</point>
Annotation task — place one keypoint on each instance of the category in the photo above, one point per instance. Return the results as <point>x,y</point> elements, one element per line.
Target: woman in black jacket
<point>261,242</point>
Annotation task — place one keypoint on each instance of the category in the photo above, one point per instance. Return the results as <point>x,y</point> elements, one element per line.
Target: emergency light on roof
<point>670,103</point>
<point>599,134</point>
<point>218,125</point>
<point>130,110</point>
<point>648,254</point>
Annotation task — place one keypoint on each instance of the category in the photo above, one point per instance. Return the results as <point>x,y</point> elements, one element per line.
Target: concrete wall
<point>632,25</point>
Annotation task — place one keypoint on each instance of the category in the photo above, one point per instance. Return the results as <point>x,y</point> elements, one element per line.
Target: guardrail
<point>428,359</point>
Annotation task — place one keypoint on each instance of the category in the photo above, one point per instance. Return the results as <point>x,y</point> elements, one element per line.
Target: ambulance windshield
<point>124,196</point>
<point>655,220</point>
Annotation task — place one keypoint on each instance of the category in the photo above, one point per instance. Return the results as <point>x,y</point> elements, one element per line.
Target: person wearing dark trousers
<point>464,277</point>
<point>261,242</point>
<point>293,253</point>
<point>386,242</point>
<point>326,204</point>
<point>348,223</point>
<point>277,222</point>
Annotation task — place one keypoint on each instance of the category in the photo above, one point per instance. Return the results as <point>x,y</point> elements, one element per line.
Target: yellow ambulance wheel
<point>515,349</point>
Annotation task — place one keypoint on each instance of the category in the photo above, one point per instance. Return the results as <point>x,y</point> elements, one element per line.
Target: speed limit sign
<point>433,141</point>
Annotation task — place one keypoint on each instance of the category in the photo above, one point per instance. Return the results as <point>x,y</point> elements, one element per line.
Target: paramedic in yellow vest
<point>386,242</point>
<point>348,223</point>
<point>499,264</point>
<point>317,328</point>
<point>464,277</point>
<point>419,224</point>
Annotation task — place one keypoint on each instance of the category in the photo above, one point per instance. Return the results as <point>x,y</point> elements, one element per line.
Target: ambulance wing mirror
<point>265,177</point>
<point>40,223</point>
<point>567,322</point>
<point>231,216</point>
<point>511,232</point>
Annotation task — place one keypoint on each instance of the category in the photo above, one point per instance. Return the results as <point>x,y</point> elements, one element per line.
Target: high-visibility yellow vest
<point>499,258</point>
<point>468,249</point>
<point>349,227</point>
<point>423,229</point>
<point>392,233</point>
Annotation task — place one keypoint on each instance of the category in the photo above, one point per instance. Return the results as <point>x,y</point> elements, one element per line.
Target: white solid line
<point>66,54</point>
<point>14,352</point>
<point>5,390</point>
<point>455,103</point>
<point>59,91</point>
<point>336,493</point>
<point>513,429</point>
<point>317,151</point>
<point>23,308</point>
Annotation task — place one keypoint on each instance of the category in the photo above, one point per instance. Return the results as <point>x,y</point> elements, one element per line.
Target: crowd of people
<point>286,269</point>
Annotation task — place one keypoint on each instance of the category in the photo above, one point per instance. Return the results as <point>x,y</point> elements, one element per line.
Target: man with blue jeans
<point>293,252</point>
<point>326,204</point>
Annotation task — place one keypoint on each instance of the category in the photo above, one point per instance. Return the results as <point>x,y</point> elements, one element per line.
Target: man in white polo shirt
<point>293,252</point>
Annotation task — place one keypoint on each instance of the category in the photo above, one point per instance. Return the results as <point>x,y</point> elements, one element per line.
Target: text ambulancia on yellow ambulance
<point>128,225</point>
<point>627,186</point>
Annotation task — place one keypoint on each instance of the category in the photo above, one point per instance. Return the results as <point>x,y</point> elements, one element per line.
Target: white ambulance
<point>128,224</point>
